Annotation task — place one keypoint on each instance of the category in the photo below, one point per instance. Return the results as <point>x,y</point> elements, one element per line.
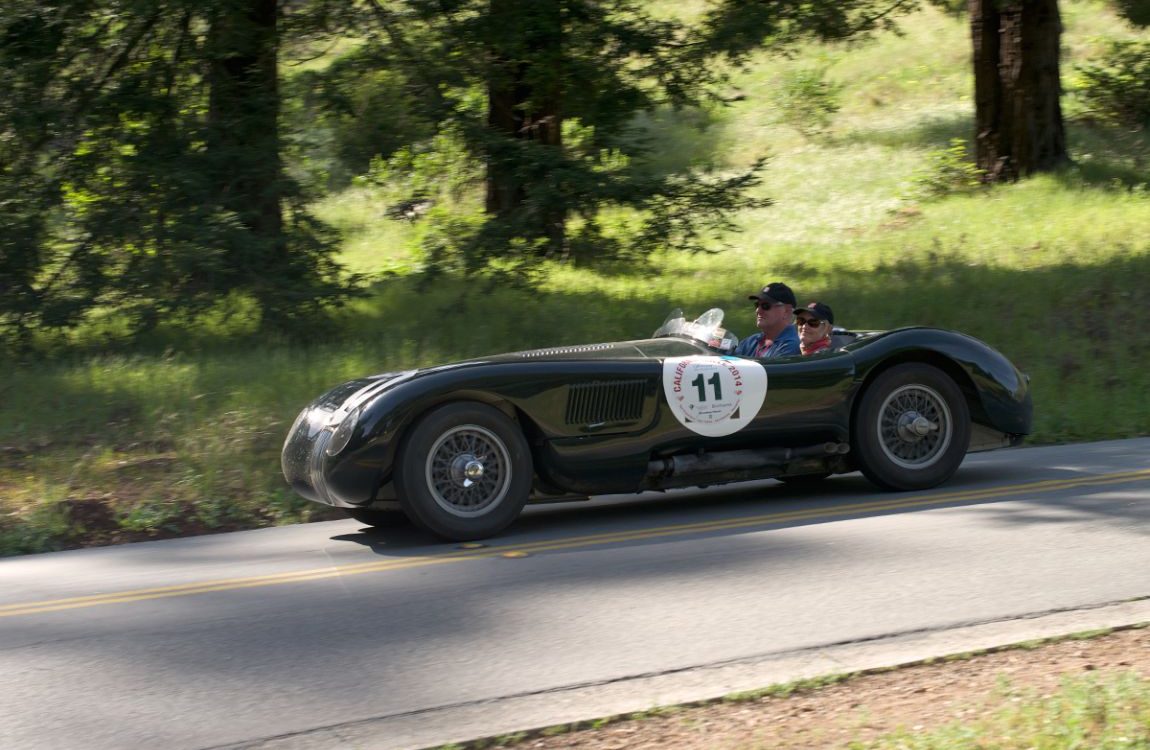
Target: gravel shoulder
<point>866,706</point>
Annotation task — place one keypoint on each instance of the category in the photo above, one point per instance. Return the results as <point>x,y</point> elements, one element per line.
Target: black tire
<point>912,429</point>
<point>383,519</point>
<point>464,471</point>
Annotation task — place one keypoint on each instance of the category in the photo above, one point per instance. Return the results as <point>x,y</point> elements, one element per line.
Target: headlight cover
<point>343,432</point>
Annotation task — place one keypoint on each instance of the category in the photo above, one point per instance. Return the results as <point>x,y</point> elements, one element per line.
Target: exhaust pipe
<point>710,463</point>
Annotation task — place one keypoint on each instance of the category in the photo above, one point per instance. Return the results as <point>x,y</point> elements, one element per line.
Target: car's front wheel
<point>912,429</point>
<point>464,471</point>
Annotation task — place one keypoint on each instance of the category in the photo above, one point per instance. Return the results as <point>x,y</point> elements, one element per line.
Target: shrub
<point>807,101</point>
<point>948,171</point>
<point>1115,87</point>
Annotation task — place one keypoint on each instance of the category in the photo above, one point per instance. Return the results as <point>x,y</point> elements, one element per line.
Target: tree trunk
<point>1018,114</point>
<point>244,124</point>
<point>524,106</point>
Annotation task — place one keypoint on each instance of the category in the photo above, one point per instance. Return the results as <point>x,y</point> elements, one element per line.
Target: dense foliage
<point>1116,86</point>
<point>146,173</point>
<point>140,165</point>
<point>158,158</point>
<point>180,431</point>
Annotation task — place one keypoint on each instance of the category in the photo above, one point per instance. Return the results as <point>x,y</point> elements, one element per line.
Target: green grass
<point>104,443</point>
<point>1109,712</point>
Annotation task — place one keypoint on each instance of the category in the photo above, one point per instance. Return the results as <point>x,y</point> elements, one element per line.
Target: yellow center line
<point>230,584</point>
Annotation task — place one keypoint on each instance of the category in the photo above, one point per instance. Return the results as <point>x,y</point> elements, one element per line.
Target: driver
<point>774,311</point>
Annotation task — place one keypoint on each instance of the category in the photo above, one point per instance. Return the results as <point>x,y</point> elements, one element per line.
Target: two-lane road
<point>313,634</point>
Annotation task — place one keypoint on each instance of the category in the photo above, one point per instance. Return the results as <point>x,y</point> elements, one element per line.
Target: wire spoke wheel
<point>463,471</point>
<point>914,426</point>
<point>468,470</point>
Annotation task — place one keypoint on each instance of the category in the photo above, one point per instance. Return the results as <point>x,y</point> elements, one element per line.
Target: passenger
<point>815,323</point>
<point>774,311</point>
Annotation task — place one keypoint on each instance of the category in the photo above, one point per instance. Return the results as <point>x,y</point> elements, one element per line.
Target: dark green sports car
<point>461,448</point>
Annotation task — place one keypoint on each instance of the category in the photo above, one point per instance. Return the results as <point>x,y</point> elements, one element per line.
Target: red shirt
<point>817,346</point>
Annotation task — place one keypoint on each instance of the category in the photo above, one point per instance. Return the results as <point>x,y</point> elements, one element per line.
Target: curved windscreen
<point>707,329</point>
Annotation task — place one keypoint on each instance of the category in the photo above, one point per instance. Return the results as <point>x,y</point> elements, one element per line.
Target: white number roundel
<point>714,396</point>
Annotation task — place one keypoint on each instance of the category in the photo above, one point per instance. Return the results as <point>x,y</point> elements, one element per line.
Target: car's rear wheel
<point>912,429</point>
<point>464,471</point>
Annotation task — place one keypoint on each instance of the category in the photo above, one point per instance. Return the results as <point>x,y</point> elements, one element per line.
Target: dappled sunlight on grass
<point>918,130</point>
<point>1052,271</point>
<point>1038,223</point>
<point>687,139</point>
<point>373,243</point>
<point>815,204</point>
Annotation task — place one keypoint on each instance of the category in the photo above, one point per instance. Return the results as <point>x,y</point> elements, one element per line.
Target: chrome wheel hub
<point>914,426</point>
<point>468,470</point>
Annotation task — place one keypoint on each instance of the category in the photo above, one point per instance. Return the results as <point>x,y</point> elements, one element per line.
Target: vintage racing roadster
<point>461,448</point>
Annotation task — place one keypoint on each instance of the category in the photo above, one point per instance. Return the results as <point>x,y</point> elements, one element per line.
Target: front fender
<point>1001,392</point>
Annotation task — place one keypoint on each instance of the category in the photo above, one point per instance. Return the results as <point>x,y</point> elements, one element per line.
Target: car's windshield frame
<point>706,329</point>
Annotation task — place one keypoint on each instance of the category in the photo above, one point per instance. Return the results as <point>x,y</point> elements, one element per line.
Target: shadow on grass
<point>933,133</point>
<point>1081,331</point>
<point>677,141</point>
<point>1103,157</point>
<point>1046,320</point>
<point>1107,158</point>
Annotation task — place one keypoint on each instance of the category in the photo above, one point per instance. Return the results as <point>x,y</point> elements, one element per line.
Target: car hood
<point>638,349</point>
<point>348,395</point>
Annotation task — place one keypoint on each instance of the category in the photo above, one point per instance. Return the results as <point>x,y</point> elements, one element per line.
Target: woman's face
<point>811,329</point>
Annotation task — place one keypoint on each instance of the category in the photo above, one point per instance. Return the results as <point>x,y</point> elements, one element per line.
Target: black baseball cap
<point>818,310</point>
<point>776,291</point>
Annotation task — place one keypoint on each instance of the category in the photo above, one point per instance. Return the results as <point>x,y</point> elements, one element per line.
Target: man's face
<point>772,317</point>
<point>811,329</point>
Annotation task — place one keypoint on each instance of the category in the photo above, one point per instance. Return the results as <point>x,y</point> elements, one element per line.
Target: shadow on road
<point>757,506</point>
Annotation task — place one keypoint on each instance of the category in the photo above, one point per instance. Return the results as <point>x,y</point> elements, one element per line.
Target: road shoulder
<point>586,703</point>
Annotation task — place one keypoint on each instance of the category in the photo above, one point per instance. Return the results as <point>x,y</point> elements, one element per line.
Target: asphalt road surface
<point>333,635</point>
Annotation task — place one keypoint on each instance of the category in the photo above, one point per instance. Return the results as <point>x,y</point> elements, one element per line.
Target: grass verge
<point>102,443</point>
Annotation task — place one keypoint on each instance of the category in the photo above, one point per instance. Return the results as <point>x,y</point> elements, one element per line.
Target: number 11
<point>699,383</point>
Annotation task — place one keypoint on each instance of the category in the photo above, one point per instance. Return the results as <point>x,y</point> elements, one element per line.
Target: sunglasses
<point>808,322</point>
<point>766,305</point>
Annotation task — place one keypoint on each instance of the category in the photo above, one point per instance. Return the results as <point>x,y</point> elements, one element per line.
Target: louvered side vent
<point>611,401</point>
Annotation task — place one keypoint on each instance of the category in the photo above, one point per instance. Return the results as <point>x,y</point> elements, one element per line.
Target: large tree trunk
<point>524,104</point>
<point>244,123</point>
<point>1018,114</point>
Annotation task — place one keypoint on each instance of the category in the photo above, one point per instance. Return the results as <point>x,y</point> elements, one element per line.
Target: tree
<point>1137,12</point>
<point>1019,128</point>
<point>139,157</point>
<point>735,28</point>
<point>544,96</point>
<point>524,103</point>
<point>245,166</point>
<point>563,82</point>
<point>243,117</point>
